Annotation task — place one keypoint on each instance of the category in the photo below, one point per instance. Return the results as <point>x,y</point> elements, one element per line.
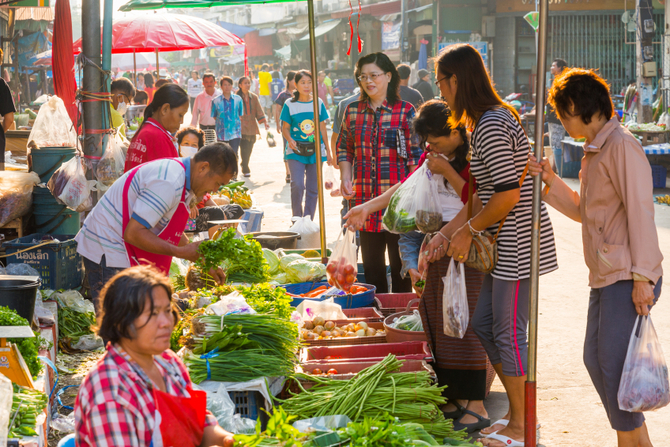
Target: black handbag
<point>305,149</point>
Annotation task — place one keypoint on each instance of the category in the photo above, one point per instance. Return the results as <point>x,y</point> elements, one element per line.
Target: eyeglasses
<point>441,79</point>
<point>371,77</point>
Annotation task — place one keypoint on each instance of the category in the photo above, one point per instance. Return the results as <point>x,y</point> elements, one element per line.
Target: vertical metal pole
<point>530,435</point>
<point>158,68</point>
<point>92,82</point>
<point>436,25</point>
<point>135,68</point>
<point>403,35</point>
<point>317,128</point>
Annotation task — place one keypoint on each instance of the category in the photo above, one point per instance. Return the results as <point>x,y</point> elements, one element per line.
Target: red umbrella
<point>166,32</point>
<point>63,60</point>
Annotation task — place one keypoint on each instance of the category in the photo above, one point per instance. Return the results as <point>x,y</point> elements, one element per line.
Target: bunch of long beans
<point>73,324</point>
<point>376,392</point>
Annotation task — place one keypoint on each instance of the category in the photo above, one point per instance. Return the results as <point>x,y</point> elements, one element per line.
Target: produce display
<point>240,257</point>
<point>375,392</point>
<point>646,127</point>
<point>341,274</point>
<point>263,298</point>
<point>27,404</point>
<point>663,199</point>
<point>411,322</point>
<point>293,268</point>
<point>136,123</point>
<point>28,347</point>
<point>238,347</point>
<point>319,329</point>
<point>237,193</point>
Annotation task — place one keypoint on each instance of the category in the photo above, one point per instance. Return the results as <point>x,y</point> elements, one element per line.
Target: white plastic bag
<point>233,303</point>
<point>110,167</point>
<point>53,126</point>
<point>89,342</point>
<point>331,182</point>
<point>309,232</point>
<point>223,408</point>
<point>644,380</point>
<point>73,300</point>
<point>327,309</point>
<point>6,396</point>
<point>415,205</point>
<point>455,309</point>
<point>70,187</point>
<point>16,194</point>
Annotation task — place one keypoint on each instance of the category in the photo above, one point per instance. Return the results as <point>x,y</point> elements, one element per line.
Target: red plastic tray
<point>343,341</point>
<point>412,350</point>
<point>390,303</point>
<point>347,370</point>
<point>367,314</point>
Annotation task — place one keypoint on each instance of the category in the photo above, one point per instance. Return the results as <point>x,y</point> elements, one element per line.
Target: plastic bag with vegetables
<point>70,187</point>
<point>342,267</point>
<point>411,322</point>
<point>110,167</point>
<point>415,205</point>
<point>16,194</point>
<point>455,307</point>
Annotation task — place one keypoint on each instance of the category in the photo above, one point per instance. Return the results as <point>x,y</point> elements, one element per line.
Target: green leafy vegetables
<point>28,347</point>
<point>27,404</point>
<point>396,219</point>
<point>73,324</point>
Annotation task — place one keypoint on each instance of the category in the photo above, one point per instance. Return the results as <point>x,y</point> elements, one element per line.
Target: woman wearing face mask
<point>122,93</point>
<point>253,116</point>
<point>162,118</point>
<point>377,149</point>
<point>460,364</point>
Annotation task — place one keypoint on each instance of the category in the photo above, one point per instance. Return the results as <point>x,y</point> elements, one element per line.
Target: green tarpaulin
<point>134,5</point>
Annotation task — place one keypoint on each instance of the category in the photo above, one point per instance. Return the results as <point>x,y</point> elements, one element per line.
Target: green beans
<point>73,324</point>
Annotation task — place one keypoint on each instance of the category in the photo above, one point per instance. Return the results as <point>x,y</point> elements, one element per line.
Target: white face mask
<point>122,108</point>
<point>188,151</point>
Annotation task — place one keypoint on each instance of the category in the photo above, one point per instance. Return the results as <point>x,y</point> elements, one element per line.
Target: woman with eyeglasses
<point>499,163</point>
<point>377,149</point>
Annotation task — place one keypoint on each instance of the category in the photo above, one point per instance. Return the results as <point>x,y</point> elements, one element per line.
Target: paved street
<point>569,408</point>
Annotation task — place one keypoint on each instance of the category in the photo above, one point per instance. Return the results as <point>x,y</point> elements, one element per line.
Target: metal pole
<point>530,435</point>
<point>403,36</point>
<point>158,69</point>
<point>135,68</point>
<point>317,129</point>
<point>92,82</point>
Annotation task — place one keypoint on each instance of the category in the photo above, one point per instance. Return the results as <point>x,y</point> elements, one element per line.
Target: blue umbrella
<point>423,56</point>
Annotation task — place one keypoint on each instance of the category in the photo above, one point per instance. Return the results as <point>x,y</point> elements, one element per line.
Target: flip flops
<point>503,422</point>
<point>509,442</point>
<point>482,422</point>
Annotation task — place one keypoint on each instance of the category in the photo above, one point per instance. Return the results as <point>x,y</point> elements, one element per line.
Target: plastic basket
<point>367,314</point>
<point>59,264</point>
<point>247,403</point>
<point>659,174</point>
<point>398,335</point>
<point>348,301</point>
<point>391,303</point>
<point>411,350</point>
<point>343,341</point>
<point>347,370</point>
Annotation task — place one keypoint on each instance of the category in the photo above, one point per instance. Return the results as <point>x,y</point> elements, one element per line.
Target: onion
<point>326,334</point>
<point>318,321</point>
<point>362,325</point>
<point>318,329</point>
<point>351,334</point>
<point>312,336</point>
<point>329,325</point>
<point>360,333</point>
<point>309,325</point>
<point>336,333</point>
<point>371,332</point>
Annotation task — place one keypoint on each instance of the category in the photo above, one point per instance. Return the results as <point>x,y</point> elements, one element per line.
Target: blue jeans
<point>98,275</point>
<point>234,144</point>
<point>303,179</point>
<point>409,246</point>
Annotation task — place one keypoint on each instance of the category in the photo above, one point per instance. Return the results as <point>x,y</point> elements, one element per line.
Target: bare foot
<point>495,427</point>
<point>516,435</point>
<point>476,407</point>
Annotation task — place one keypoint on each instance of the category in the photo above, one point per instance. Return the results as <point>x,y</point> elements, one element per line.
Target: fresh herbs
<point>241,258</point>
<point>279,432</point>
<point>28,347</point>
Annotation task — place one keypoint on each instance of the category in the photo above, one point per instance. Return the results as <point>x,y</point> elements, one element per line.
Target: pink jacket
<point>616,208</point>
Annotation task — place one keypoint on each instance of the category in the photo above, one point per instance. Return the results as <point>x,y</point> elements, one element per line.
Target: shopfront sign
<point>390,36</point>
<point>482,47</point>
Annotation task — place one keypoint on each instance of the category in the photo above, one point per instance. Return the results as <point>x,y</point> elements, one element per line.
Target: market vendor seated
<point>142,216</point>
<point>123,93</point>
<point>140,393</point>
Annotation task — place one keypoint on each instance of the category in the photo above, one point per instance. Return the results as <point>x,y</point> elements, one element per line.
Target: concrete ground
<point>569,408</point>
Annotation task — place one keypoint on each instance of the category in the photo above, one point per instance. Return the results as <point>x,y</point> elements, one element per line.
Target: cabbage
<point>302,270</point>
<point>273,260</point>
<point>281,278</point>
<point>286,260</point>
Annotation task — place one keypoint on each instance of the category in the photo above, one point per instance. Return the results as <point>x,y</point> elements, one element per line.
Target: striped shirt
<point>499,156</point>
<point>153,197</point>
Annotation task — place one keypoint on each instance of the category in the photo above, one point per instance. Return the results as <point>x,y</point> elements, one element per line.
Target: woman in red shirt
<point>149,86</point>
<point>162,119</point>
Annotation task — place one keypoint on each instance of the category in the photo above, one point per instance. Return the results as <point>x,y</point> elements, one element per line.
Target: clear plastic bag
<point>222,407</point>
<point>415,205</point>
<point>455,308</point>
<point>342,267</point>
<point>16,194</point>
<point>326,309</point>
<point>73,300</point>
<point>644,380</point>
<point>411,322</point>
<point>6,396</point>
<point>22,270</point>
<point>53,126</point>
<point>110,167</point>
<point>309,232</point>
<point>323,423</point>
<point>89,342</point>
<point>70,187</point>
<point>331,182</point>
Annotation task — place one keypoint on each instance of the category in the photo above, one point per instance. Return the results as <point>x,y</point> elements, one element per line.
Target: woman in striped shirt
<point>499,159</point>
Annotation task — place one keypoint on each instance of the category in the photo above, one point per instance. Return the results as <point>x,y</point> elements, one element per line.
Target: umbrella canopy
<point>166,32</point>
<point>145,61</point>
<point>134,5</point>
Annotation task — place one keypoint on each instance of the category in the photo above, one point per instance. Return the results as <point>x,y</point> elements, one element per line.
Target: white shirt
<point>153,197</point>
<point>202,109</point>
<point>194,87</point>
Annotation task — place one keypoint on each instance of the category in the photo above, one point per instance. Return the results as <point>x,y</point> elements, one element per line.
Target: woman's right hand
<point>543,167</point>
<point>356,217</point>
<point>347,189</point>
<point>292,144</point>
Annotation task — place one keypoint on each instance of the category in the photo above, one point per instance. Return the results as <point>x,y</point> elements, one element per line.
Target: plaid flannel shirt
<point>115,405</point>
<point>369,141</point>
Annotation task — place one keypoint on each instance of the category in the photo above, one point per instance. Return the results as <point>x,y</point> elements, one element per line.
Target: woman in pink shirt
<point>162,119</point>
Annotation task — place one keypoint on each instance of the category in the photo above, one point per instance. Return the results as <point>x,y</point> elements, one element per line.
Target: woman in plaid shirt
<point>377,149</point>
<point>139,393</point>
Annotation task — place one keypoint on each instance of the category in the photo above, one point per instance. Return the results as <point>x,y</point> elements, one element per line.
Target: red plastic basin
<point>412,350</point>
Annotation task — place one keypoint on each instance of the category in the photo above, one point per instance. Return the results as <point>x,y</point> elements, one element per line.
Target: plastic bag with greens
<point>273,260</point>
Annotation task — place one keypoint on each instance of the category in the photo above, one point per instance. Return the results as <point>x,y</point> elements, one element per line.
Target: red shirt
<point>150,93</point>
<point>152,142</point>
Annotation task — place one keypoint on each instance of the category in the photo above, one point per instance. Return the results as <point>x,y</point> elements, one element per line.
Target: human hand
<point>292,144</point>
<point>415,276</point>
<point>193,212</point>
<point>643,297</point>
<point>329,159</point>
<point>218,275</point>
<point>189,251</point>
<point>459,249</point>
<point>347,189</point>
<point>436,248</point>
<point>267,126</point>
<point>356,217</point>
<point>437,164</point>
<point>543,167</point>
<point>278,129</point>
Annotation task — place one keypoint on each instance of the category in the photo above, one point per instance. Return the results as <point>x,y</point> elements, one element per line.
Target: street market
<point>271,223</point>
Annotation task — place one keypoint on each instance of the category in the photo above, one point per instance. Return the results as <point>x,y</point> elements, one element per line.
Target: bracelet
<point>445,237</point>
<point>472,230</point>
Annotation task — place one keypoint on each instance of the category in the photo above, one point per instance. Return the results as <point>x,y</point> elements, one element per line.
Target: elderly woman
<point>139,393</point>
<point>616,208</point>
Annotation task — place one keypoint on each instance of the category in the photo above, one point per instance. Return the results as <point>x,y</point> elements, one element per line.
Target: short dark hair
<point>298,76</point>
<point>141,97</point>
<point>228,79</point>
<point>123,85</point>
<point>432,119</point>
<point>404,71</point>
<point>162,82</point>
<point>382,61</point>
<point>191,130</point>
<point>560,63</point>
<point>275,75</point>
<point>124,297</point>
<point>290,75</point>
<point>209,74</point>
<point>220,156</point>
<point>588,92</point>
<point>265,67</point>
<point>149,80</point>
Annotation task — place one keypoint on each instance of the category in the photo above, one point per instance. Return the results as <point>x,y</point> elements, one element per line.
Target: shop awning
<point>389,17</point>
<point>236,29</point>
<point>267,32</point>
<point>323,29</point>
<point>420,8</point>
<point>284,53</point>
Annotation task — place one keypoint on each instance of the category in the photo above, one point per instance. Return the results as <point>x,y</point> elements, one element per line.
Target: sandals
<point>456,414</point>
<point>482,422</point>
<point>509,442</point>
<point>503,422</point>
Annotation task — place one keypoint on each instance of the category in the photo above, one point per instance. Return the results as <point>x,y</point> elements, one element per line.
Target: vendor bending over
<point>142,217</point>
<point>140,393</point>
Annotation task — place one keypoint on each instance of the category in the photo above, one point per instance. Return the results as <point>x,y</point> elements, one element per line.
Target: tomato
<point>351,278</point>
<point>331,268</point>
<point>332,371</point>
<point>316,371</point>
<point>349,269</point>
<point>341,278</point>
